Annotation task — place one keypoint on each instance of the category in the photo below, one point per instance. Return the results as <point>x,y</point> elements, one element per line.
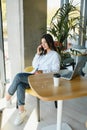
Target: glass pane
<point>52,6</point>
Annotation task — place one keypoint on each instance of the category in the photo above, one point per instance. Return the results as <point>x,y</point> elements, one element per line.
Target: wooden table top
<point>42,85</point>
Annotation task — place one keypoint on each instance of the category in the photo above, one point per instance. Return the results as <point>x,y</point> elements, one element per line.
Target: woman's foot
<point>8,103</point>
<point>20,118</point>
<point>4,103</point>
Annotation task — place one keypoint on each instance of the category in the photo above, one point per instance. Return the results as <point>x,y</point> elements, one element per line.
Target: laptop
<point>68,75</point>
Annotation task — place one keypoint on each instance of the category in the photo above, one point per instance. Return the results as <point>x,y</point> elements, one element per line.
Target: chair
<point>69,62</point>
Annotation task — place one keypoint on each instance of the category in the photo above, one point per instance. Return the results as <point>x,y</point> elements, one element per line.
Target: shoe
<point>20,118</point>
<point>4,103</point>
<point>8,103</point>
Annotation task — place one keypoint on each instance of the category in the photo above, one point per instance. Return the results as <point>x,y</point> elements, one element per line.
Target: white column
<point>15,35</point>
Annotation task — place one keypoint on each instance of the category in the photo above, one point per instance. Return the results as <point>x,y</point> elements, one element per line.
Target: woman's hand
<point>39,49</point>
<point>38,72</point>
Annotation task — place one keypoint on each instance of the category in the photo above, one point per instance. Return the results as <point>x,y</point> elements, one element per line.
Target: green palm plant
<point>65,20</point>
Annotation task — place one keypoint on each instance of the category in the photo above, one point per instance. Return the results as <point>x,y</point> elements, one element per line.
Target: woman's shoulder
<point>54,52</point>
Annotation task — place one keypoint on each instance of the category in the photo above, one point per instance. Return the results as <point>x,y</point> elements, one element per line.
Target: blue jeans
<point>19,84</point>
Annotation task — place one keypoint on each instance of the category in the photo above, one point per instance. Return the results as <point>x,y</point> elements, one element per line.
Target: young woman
<point>47,60</point>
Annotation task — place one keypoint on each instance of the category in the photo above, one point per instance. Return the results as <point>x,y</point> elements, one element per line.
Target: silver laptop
<point>77,71</point>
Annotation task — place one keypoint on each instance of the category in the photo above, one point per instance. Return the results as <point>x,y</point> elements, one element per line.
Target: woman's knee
<point>18,75</point>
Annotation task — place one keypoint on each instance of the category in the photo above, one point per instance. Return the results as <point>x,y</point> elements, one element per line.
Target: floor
<point>74,113</point>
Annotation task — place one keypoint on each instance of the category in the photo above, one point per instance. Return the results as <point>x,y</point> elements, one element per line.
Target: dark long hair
<point>49,40</point>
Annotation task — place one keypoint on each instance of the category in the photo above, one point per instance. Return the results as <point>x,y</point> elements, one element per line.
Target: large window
<point>52,6</point>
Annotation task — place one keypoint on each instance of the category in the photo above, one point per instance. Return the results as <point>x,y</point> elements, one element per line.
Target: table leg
<point>60,125</point>
<point>59,114</point>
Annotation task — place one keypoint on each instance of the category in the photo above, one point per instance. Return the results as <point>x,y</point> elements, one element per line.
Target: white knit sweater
<point>47,63</point>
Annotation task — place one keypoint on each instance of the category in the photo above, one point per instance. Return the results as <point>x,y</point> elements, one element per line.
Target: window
<point>52,6</point>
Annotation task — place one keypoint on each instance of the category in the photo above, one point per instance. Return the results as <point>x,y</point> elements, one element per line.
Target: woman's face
<point>44,44</point>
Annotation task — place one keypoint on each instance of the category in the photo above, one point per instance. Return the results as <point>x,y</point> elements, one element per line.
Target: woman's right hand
<point>38,49</point>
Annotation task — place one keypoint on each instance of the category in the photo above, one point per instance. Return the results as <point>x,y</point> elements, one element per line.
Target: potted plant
<point>64,24</point>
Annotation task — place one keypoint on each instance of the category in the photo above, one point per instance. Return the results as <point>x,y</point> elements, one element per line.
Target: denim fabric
<point>19,84</point>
